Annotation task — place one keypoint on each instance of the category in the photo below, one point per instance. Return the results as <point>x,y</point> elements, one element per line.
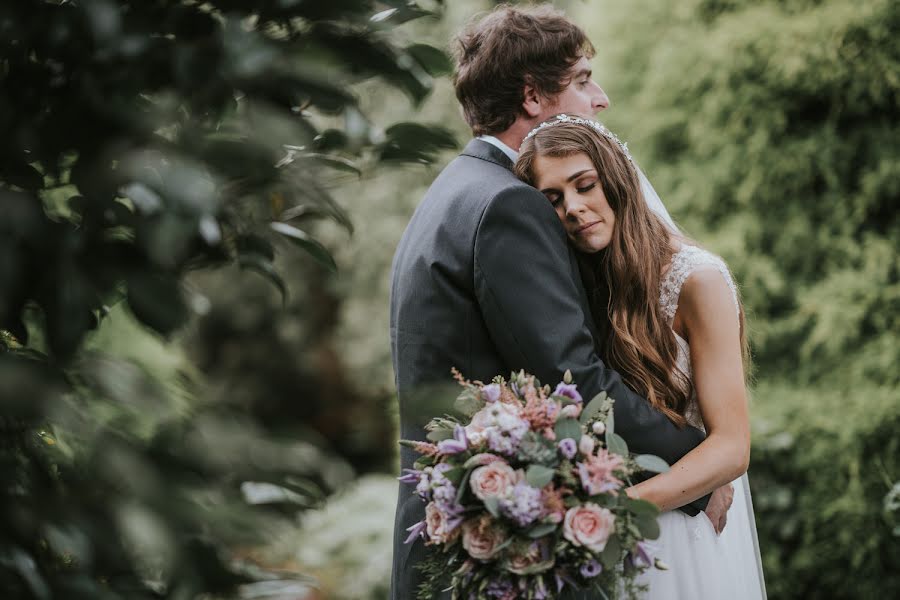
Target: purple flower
<point>459,442</point>
<point>643,554</point>
<point>499,589</point>
<point>591,569</point>
<point>568,390</point>
<point>568,447</point>
<point>523,505</point>
<point>491,392</point>
<point>411,476</point>
<point>416,530</point>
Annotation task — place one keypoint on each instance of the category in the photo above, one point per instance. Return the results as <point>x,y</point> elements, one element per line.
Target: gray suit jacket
<point>483,280</point>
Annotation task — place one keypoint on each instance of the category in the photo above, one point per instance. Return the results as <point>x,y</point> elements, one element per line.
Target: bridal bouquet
<point>526,497</point>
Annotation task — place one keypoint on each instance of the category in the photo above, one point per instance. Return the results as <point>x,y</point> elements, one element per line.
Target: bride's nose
<point>574,207</point>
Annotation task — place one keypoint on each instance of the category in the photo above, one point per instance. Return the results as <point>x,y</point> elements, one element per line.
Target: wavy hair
<point>498,54</point>
<point>623,279</point>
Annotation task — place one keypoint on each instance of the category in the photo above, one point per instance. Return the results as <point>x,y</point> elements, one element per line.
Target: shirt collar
<point>512,154</point>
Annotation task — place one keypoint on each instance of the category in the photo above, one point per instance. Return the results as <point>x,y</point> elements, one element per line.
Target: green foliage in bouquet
<point>144,141</point>
<point>525,495</point>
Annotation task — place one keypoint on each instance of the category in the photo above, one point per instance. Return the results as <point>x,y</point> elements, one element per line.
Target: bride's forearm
<point>718,460</point>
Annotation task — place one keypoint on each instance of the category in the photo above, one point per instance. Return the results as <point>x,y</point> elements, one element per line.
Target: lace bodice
<point>684,262</point>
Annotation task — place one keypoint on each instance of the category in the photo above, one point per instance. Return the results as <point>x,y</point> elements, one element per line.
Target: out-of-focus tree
<point>772,131</point>
<point>143,141</point>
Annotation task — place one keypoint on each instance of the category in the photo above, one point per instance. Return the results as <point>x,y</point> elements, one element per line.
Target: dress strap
<point>684,262</point>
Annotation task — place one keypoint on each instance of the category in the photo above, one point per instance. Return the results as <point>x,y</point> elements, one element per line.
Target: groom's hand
<point>719,503</point>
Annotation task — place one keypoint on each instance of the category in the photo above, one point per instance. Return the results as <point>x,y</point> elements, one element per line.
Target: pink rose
<point>481,538</point>
<point>494,480</point>
<point>440,529</point>
<point>588,525</point>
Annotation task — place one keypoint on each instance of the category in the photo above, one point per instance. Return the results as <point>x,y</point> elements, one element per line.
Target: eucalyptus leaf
<point>592,408</point>
<point>641,507</point>
<point>616,444</point>
<point>541,530</point>
<point>651,463</point>
<point>610,555</point>
<point>538,475</point>
<point>493,506</point>
<point>648,525</point>
<point>439,434</point>
<point>568,427</point>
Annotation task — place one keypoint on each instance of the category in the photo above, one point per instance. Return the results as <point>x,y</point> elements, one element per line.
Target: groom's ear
<point>533,102</point>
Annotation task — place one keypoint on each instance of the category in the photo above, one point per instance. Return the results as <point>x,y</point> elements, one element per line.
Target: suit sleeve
<point>528,293</point>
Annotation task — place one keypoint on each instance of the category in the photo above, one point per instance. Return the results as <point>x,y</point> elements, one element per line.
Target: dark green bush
<point>821,467</point>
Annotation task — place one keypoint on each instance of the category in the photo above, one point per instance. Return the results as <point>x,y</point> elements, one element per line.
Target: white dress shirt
<point>512,154</point>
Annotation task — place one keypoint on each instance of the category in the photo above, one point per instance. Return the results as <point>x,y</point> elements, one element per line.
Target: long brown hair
<point>498,54</point>
<point>623,280</point>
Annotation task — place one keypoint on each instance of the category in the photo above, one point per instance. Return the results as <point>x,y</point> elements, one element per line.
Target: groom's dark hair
<point>497,55</point>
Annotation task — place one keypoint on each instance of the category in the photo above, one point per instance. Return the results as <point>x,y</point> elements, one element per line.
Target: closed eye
<point>554,197</point>
<point>587,188</point>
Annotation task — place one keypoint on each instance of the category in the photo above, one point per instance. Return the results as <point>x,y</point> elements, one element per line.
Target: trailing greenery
<point>147,141</point>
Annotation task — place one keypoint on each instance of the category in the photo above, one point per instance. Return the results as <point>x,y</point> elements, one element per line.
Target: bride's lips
<point>586,227</point>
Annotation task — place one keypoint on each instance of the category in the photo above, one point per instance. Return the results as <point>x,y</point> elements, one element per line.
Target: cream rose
<point>440,531</point>
<point>589,525</point>
<point>481,538</point>
<point>494,480</point>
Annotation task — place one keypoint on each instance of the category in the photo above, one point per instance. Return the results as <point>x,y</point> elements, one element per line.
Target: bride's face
<point>572,186</point>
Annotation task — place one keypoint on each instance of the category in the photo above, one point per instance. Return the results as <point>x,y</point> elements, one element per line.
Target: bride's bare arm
<point>707,316</point>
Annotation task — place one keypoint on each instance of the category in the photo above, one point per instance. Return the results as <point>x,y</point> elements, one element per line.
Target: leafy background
<point>253,444</point>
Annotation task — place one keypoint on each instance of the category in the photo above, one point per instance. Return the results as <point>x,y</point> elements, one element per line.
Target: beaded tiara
<point>595,125</point>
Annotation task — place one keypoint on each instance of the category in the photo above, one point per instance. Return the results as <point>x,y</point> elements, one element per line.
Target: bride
<point>675,331</point>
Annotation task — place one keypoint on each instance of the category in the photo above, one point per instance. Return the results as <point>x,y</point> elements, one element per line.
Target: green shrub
<point>823,462</point>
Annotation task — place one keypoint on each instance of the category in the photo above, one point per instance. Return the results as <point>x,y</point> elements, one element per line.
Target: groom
<point>483,279</point>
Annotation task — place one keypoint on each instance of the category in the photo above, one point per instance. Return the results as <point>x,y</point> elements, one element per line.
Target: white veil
<point>654,202</point>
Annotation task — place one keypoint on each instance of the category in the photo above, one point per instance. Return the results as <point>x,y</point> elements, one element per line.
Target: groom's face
<point>582,96</point>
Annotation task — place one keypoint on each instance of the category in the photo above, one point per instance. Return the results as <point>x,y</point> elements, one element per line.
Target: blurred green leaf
<point>156,300</point>
<point>261,264</point>
<point>434,61</point>
<point>305,241</point>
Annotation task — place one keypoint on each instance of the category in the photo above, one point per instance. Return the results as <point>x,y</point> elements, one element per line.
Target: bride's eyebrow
<point>575,176</point>
<point>571,178</point>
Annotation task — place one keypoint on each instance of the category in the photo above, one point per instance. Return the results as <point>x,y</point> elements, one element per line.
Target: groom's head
<point>522,65</point>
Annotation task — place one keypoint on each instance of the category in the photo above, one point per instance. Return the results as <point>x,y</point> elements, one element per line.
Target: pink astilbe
<point>424,448</point>
<point>540,413</point>
<point>554,502</point>
<point>597,472</point>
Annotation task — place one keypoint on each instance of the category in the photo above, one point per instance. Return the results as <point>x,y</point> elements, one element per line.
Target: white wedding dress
<point>703,565</point>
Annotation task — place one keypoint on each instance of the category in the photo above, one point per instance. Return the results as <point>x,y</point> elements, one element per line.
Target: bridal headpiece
<point>595,125</point>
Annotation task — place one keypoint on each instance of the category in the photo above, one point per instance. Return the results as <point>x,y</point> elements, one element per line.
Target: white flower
<point>599,427</point>
<point>586,445</point>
